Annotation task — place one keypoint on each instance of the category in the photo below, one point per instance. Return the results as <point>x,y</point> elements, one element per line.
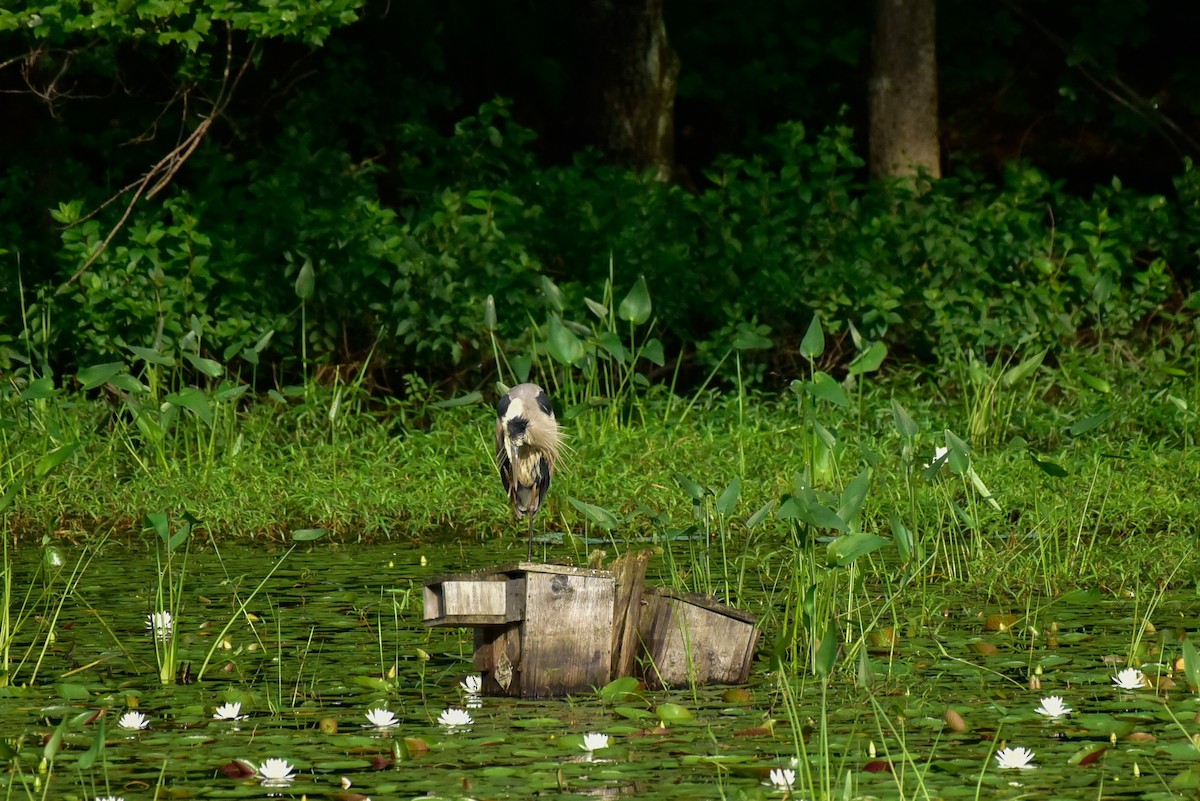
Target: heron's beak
<point>514,451</point>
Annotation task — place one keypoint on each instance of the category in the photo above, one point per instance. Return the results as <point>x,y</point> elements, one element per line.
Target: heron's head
<point>527,421</point>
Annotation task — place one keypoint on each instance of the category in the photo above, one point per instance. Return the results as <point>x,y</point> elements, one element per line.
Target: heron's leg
<point>529,553</point>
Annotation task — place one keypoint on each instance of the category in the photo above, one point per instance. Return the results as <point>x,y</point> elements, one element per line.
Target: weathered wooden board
<point>691,639</point>
<point>472,601</point>
<point>566,637</point>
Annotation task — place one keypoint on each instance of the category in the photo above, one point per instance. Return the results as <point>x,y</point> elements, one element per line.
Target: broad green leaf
<point>54,458</point>
<point>209,367</point>
<point>98,374</point>
<point>194,400</point>
<point>960,453</point>
<point>50,749</point>
<point>597,515</point>
<point>1191,664</point>
<point>727,500</point>
<point>11,492</point>
<point>652,351</point>
<point>981,488</point>
<point>613,346</point>
<point>1088,423</point>
<point>598,309</point>
<point>72,692</point>
<point>853,497</point>
<point>160,523</point>
<point>849,547</point>
<point>1095,382</point>
<point>903,539</point>
<point>1052,469</point>
<point>811,512</point>
<point>636,305</point>
<point>552,294</point>
<point>633,713</point>
<point>306,280</point>
<point>151,356</point>
<point>694,490</point>
<point>824,386</point>
<point>903,422</point>
<point>750,337</point>
<point>564,346</point>
<point>1015,375</point>
<point>462,400</point>
<point>827,653</point>
<point>89,757</point>
<point>307,534</point>
<point>620,689</point>
<point>813,344</point>
<point>869,360</point>
<point>760,515</point>
<point>671,713</point>
<point>38,389</point>
<point>127,383</point>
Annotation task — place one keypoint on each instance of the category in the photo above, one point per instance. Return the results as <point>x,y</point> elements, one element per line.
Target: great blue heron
<point>527,443</point>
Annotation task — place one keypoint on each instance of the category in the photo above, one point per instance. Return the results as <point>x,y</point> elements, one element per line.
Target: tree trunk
<point>630,102</point>
<point>903,89</point>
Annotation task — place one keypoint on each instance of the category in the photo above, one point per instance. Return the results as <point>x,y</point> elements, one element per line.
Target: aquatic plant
<point>1014,759</point>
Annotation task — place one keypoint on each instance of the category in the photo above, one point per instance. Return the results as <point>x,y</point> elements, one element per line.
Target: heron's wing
<point>502,460</point>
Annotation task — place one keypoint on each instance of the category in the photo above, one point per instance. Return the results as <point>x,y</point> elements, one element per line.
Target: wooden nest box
<point>551,630</point>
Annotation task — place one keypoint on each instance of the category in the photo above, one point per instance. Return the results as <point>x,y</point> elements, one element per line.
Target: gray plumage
<point>527,443</point>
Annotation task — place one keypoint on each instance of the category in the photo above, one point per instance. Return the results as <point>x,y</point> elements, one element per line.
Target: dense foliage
<point>331,225</point>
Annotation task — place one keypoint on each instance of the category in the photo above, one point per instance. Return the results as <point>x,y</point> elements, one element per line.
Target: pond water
<point>307,641</point>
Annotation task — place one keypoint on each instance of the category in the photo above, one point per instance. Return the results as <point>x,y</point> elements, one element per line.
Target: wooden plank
<point>687,642</point>
<point>630,572</point>
<point>566,636</point>
<point>470,602</point>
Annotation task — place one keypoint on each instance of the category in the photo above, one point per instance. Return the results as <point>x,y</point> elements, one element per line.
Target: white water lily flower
<point>381,718</point>
<point>594,741</point>
<point>455,717</point>
<point>1014,758</point>
<point>938,454</point>
<point>160,623</point>
<point>109,798</point>
<point>1130,679</point>
<point>472,685</point>
<point>133,720</point>
<point>473,702</point>
<point>783,778</point>
<point>276,770</point>
<point>229,712</point>
<point>1053,707</point>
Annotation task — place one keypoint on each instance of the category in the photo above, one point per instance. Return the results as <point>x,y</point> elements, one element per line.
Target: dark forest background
<point>347,182</point>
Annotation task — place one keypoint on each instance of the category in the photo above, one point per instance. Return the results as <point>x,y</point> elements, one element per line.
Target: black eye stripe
<point>543,402</point>
<point>502,405</point>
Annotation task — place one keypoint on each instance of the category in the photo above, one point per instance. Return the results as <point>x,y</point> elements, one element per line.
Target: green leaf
<point>652,351</point>
<point>1027,366</point>
<point>152,356</point>
<point>960,458</point>
<point>89,757</point>
<point>306,280</point>
<point>672,713</point>
<point>1191,664</point>
<point>823,386</point>
<point>760,515</point>
<point>1095,382</point>
<point>1088,423</point>
<point>1052,469</point>
<point>813,344</point>
<point>72,692</point>
<point>854,496</point>
<point>727,500</point>
<point>54,458</point>
<point>694,490</point>
<point>160,523</point>
<point>462,400</point>
<point>598,309</point>
<point>553,295</point>
<point>98,374</point>
<point>489,313</point>
<point>597,515</point>
<point>613,346</point>
<point>620,689</point>
<point>307,534</point>
<point>749,337</point>
<point>869,360</point>
<point>194,400</point>
<point>849,547</point>
<point>903,422</point>
<point>636,306</point>
<point>209,367</point>
<point>38,389</point>
<point>827,653</point>
<point>11,492</point>
<point>50,750</point>
<point>905,544</point>
<point>811,512</point>
<point>563,346</point>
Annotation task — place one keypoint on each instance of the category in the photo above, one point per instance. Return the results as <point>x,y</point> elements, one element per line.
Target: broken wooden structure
<point>550,630</point>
